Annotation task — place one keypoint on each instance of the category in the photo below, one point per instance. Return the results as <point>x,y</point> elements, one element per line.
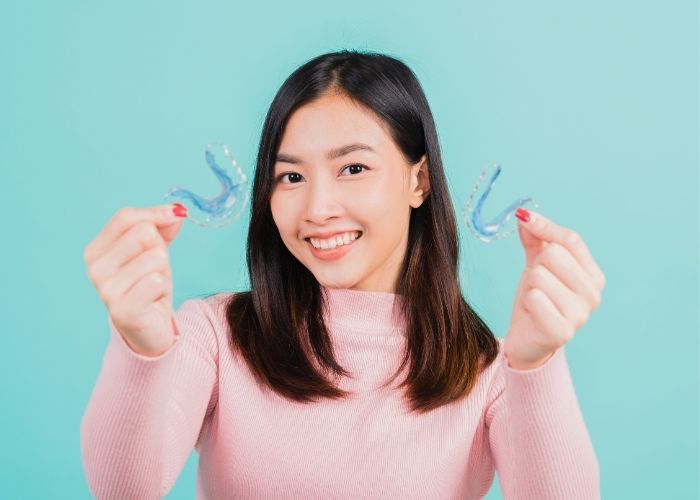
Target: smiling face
<point>338,170</point>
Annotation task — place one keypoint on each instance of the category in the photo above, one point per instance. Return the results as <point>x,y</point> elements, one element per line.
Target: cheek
<point>384,204</point>
<point>287,218</point>
<point>379,198</point>
<point>280,215</point>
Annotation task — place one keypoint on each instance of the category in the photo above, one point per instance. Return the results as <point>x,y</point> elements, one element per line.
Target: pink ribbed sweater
<point>147,414</point>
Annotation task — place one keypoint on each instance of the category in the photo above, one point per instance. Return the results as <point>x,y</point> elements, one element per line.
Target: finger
<point>559,261</point>
<point>569,305</point>
<point>148,289</point>
<point>153,261</point>
<point>546,230</point>
<point>144,292</point>
<point>136,240</point>
<point>125,218</point>
<point>546,316</point>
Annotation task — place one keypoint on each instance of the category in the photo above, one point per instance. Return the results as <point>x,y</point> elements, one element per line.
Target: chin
<point>342,284</point>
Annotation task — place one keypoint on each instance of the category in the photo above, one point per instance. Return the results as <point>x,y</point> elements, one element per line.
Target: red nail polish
<point>522,214</point>
<point>179,210</point>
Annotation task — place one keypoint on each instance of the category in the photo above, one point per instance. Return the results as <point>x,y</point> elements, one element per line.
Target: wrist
<point>517,364</point>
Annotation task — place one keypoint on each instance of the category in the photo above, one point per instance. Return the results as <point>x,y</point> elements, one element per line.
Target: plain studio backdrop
<point>590,107</point>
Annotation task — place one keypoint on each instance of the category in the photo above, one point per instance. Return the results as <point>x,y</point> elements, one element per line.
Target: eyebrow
<point>332,154</point>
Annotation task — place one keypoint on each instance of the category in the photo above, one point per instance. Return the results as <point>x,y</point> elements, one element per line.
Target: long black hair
<point>278,325</point>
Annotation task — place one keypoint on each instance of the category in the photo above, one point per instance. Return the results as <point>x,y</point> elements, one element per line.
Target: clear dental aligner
<point>492,230</point>
<point>222,209</point>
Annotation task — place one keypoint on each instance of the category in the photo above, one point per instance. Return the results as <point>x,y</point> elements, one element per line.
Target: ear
<point>420,182</point>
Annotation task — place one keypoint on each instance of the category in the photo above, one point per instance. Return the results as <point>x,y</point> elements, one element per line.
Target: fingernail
<point>522,214</point>
<point>179,210</point>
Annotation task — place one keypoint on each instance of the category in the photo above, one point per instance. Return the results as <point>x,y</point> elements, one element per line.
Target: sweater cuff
<point>125,350</point>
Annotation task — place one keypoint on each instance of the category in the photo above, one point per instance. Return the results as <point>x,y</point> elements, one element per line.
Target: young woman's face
<point>330,197</point>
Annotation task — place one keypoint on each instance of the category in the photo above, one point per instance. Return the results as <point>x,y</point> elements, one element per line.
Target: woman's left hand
<point>560,287</point>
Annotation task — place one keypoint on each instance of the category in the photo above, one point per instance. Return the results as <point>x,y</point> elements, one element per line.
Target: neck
<point>365,310</point>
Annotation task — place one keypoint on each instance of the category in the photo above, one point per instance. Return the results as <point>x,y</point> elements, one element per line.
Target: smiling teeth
<point>331,243</point>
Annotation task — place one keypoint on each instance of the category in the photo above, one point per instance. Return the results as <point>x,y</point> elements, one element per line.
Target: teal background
<point>590,107</point>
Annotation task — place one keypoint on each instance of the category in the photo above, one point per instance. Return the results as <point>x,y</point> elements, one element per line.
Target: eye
<point>282,176</point>
<point>298,177</point>
<point>356,165</point>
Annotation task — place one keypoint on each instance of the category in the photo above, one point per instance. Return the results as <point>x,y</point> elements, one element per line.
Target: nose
<point>321,202</point>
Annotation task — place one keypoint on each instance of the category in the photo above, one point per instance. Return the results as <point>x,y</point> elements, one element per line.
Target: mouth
<point>332,253</point>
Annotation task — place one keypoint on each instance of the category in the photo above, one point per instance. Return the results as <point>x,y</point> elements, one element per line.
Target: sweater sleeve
<point>145,413</point>
<point>538,438</point>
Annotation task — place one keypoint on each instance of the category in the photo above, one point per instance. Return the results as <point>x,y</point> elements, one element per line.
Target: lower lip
<point>335,254</point>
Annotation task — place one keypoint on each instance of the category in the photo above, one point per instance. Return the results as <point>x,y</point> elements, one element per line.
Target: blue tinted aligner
<point>490,230</point>
<point>223,208</point>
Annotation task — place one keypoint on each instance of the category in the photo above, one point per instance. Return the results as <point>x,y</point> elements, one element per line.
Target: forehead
<point>332,121</point>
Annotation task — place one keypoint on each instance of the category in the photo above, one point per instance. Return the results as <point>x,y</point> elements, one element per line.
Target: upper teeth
<point>336,241</point>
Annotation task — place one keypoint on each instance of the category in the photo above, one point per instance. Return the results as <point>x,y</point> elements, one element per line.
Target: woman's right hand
<point>128,265</point>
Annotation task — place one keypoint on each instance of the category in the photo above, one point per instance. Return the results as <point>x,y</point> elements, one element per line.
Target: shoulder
<point>217,302</point>
<point>208,312</point>
<point>216,305</point>
<point>494,375</point>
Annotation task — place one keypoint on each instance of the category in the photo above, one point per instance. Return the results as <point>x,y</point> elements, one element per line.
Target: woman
<point>287,390</point>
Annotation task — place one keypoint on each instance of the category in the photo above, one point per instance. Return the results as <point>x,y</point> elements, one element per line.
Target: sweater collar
<point>367,311</point>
